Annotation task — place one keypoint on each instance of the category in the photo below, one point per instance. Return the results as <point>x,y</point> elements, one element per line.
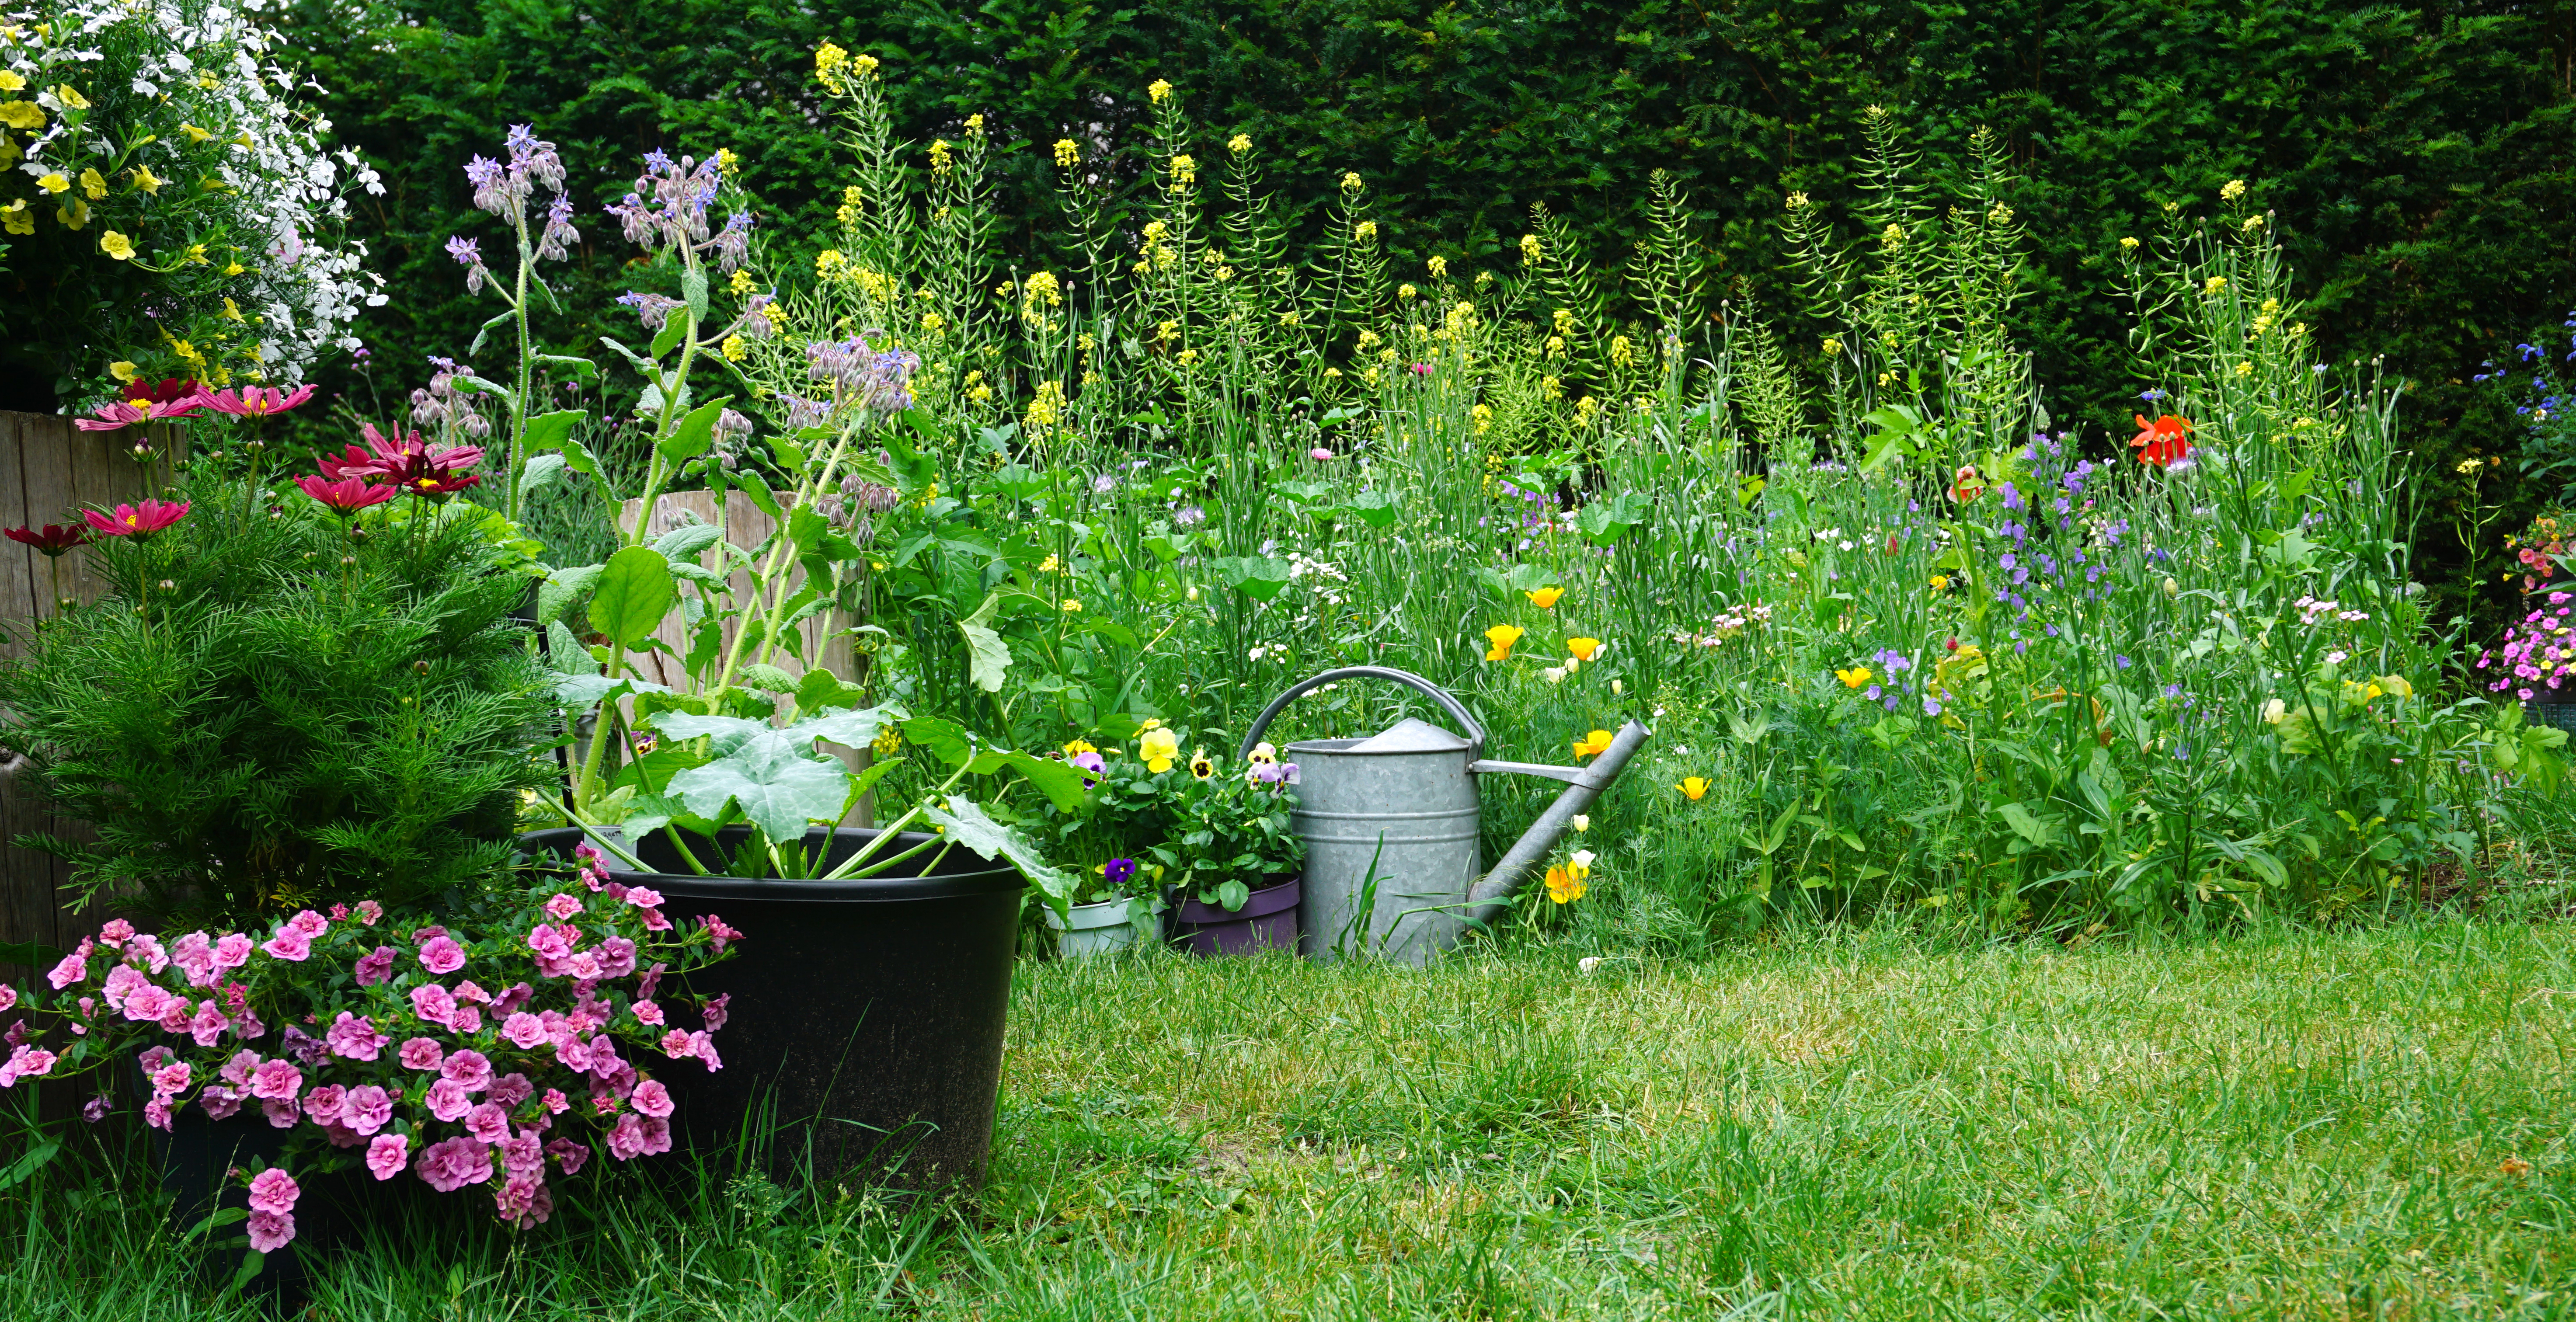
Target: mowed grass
<point>2307,1125</point>
<point>1831,1124</point>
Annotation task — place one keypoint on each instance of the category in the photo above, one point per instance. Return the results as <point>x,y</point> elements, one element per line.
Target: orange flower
<point>1593,744</point>
<point>1502,636</point>
<point>1692,787</point>
<point>1966,486</point>
<point>2162,441</point>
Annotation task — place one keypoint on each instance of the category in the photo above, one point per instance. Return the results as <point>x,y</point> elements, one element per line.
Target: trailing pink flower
<point>546,940</point>
<point>311,924</point>
<point>276,1080</point>
<point>563,905</point>
<point>288,944</point>
<point>441,955</point>
<point>170,1080</point>
<point>270,1231</point>
<point>524,1202</point>
<point>387,1156</point>
<point>219,1102</point>
<point>488,1122</point>
<point>448,1100</point>
<point>717,928</point>
<point>8,996</point>
<point>652,1099</point>
<point>717,1013</point>
<point>376,967</point>
<point>273,1190</point>
<point>72,969</point>
<point>25,1062</point>
<point>433,1003</point>
<point>232,950</point>
<point>420,1053</point>
<point>327,1104</point>
<point>469,1068</point>
<point>524,1031</point>
<point>450,1166</point>
<point>366,1109</point>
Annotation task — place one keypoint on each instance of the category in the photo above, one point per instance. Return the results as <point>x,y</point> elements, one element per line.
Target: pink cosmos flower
<point>270,1231</point>
<point>276,1080</point>
<point>136,521</point>
<point>448,1100</point>
<point>388,1155</point>
<point>441,955</point>
<point>469,1068</point>
<point>488,1122</point>
<point>253,401</point>
<point>273,1190</point>
<point>653,1099</point>
<point>232,950</point>
<point>450,1166</point>
<point>377,967</point>
<point>524,1030</point>
<point>406,460</point>
<point>311,924</point>
<point>72,969</point>
<point>420,1053</point>
<point>355,1038</point>
<point>326,1104</point>
<point>367,1108</point>
<point>563,905</point>
<point>289,944</point>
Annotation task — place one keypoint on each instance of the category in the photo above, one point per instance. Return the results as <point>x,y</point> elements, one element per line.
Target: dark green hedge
<point>2422,161</point>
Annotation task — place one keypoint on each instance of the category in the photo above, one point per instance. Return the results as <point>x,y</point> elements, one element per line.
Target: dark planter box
<point>1267,921</point>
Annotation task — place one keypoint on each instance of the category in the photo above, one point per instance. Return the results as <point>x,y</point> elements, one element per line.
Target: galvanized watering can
<point>1390,826</point>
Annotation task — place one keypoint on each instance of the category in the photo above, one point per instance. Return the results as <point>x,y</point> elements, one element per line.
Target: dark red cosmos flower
<point>348,495</point>
<point>2162,441</point>
<point>408,462</point>
<point>52,539</point>
<point>135,520</point>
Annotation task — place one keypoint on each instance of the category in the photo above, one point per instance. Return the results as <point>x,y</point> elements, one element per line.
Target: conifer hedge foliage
<point>2421,161</point>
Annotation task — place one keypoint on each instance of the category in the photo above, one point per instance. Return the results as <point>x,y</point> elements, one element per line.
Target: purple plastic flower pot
<point>1267,921</point>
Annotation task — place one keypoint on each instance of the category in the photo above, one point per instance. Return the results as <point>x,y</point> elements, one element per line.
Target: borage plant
<point>490,1050</point>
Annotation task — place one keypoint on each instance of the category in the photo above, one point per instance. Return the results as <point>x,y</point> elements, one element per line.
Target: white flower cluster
<point>188,100</point>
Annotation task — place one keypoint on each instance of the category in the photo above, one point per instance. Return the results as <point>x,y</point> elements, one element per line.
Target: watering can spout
<point>1487,899</point>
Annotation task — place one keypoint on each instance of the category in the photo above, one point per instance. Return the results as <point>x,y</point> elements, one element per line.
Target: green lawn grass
<point>2352,1124</point>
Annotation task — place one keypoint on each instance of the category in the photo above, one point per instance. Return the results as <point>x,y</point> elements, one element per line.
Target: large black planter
<point>866,1019</point>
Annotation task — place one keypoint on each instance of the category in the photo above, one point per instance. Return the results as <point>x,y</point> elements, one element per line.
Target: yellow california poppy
<point>1502,636</point>
<point>1545,598</point>
<point>1565,884</point>
<point>1692,787</point>
<point>1593,744</point>
<point>1582,648</point>
<point>1854,677</point>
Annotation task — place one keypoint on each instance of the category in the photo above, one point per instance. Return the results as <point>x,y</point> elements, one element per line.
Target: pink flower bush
<point>396,1065</point>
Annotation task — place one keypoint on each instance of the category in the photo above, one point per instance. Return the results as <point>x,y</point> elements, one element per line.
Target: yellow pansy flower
<point>1159,748</point>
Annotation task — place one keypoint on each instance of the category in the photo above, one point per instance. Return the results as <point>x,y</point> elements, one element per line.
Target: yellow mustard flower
<point>1239,143</point>
<point>1159,89</point>
<point>735,349</point>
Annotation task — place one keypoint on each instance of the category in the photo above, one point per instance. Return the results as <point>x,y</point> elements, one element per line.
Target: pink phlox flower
<point>648,1012</point>
<point>289,944</point>
<point>524,1031</point>
<point>450,1166</point>
<point>273,1190</point>
<point>448,1100</point>
<point>433,1003</point>
<point>377,967</point>
<point>441,955</point>
<point>563,905</point>
<point>232,950</point>
<point>270,1231</point>
<point>421,1053</point>
<point>275,1079</point>
<point>219,1102</point>
<point>652,1098</point>
<point>469,1068</point>
<point>717,1013</point>
<point>72,969</point>
<point>569,1155</point>
<point>388,1155</point>
<point>366,1108</point>
<point>327,1104</point>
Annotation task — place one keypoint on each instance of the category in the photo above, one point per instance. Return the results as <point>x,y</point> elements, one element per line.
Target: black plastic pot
<point>866,1019</point>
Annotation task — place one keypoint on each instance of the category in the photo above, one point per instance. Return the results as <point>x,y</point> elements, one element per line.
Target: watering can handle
<point>1448,703</point>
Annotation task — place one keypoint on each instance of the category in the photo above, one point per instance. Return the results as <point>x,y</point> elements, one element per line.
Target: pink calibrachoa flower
<point>677,1046</point>
<point>469,1068</point>
<point>524,1202</point>
<point>369,912</point>
<point>209,1023</point>
<point>563,905</point>
<point>524,1030</point>
<point>114,932</point>
<point>448,1100</point>
<point>441,955</point>
<point>433,1003</point>
<point>367,1108</point>
<point>376,967</point>
<point>450,1166</point>
<point>72,969</point>
<point>388,1155</point>
<point>270,1231</point>
<point>352,1037</point>
<point>25,1062</point>
<point>648,1013</point>
<point>288,944</point>
<point>8,996</point>
<point>231,951</point>
<point>555,1102</point>
<point>421,1053</point>
<point>311,924</point>
<point>171,1079</point>
<point>273,1190</point>
<point>276,1080</point>
<point>220,1102</point>
<point>488,1122</point>
<point>569,1155</point>
<point>716,927</point>
<point>717,1013</point>
<point>653,1099</point>
<point>548,940</point>
<point>511,1089</point>
<point>135,520</point>
<point>326,1104</point>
